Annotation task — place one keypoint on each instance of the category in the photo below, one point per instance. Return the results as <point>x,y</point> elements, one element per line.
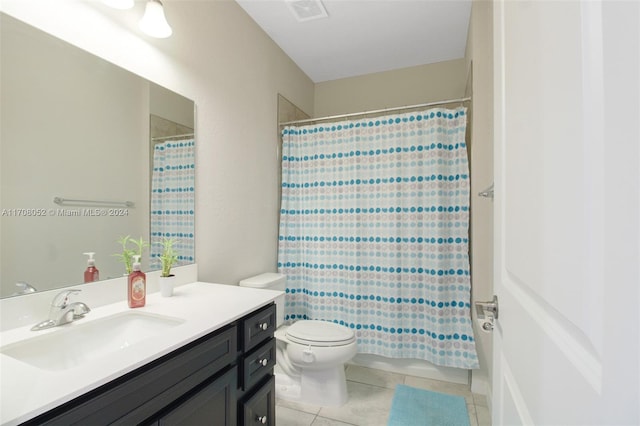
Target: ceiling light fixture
<point>153,22</point>
<point>119,4</point>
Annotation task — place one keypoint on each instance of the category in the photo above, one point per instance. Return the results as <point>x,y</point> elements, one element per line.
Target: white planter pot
<point>166,285</point>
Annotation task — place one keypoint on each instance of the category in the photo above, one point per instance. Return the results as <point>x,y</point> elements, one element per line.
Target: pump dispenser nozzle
<point>136,262</point>
<point>91,261</point>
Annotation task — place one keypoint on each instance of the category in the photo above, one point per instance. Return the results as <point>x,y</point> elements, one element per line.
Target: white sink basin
<point>73,344</point>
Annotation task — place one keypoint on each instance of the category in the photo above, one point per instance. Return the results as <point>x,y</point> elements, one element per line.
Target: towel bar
<point>62,201</point>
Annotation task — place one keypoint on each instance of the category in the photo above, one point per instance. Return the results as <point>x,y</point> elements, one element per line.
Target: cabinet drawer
<point>136,396</point>
<point>260,408</point>
<point>258,327</point>
<point>258,364</point>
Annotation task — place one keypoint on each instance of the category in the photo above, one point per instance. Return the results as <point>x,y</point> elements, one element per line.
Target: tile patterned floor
<point>370,396</point>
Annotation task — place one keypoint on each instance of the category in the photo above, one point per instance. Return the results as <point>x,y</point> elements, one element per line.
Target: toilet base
<point>324,388</point>
<point>287,388</point>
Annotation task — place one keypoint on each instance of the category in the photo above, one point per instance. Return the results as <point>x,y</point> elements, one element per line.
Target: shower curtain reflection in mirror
<point>173,199</point>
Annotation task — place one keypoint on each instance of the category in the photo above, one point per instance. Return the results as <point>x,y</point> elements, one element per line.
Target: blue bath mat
<point>419,407</point>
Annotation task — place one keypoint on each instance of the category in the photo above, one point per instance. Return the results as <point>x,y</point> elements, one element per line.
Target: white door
<point>566,213</point>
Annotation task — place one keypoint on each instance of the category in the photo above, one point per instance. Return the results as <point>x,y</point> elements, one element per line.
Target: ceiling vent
<point>306,10</point>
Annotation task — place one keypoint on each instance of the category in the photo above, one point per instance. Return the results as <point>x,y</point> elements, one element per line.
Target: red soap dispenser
<point>91,274</point>
<point>137,285</point>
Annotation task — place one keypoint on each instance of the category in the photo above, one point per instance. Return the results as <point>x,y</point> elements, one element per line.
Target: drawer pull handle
<point>263,326</point>
<point>261,419</point>
<point>263,362</point>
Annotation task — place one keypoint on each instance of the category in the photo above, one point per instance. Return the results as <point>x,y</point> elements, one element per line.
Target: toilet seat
<point>320,333</point>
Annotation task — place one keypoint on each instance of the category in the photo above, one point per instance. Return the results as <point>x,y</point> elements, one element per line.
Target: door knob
<point>487,312</point>
<point>484,309</point>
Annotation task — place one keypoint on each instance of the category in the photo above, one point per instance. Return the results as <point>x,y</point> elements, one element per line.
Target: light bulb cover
<point>153,22</point>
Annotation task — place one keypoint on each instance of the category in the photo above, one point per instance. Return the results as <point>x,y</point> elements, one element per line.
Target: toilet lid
<point>320,333</point>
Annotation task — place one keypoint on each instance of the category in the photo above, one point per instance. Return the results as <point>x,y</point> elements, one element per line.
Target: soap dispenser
<point>137,285</point>
<point>91,274</point>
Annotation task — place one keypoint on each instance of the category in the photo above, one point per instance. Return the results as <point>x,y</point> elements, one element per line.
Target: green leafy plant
<point>128,253</point>
<point>168,257</point>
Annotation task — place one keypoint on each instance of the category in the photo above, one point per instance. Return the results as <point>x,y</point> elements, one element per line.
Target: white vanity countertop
<point>28,391</point>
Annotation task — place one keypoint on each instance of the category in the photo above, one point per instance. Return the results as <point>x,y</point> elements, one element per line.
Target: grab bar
<point>62,201</point>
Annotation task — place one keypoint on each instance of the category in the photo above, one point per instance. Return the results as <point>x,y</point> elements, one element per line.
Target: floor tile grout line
<point>370,384</point>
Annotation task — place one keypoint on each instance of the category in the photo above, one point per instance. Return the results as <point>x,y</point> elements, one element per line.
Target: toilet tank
<point>270,281</point>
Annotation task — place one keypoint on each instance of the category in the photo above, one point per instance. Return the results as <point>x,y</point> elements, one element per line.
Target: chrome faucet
<point>24,288</point>
<point>63,312</point>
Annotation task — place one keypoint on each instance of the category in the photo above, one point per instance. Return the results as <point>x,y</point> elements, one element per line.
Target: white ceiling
<point>365,36</point>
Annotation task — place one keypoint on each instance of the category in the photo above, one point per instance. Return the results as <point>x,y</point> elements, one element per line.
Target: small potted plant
<point>168,258</point>
<point>128,253</point>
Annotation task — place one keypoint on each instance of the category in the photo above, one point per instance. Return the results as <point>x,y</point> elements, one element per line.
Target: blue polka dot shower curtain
<point>173,199</point>
<point>374,232</point>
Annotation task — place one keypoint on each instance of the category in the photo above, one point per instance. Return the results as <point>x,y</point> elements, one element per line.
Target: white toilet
<point>311,354</point>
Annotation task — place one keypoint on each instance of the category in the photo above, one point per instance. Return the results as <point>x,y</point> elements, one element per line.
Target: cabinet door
<point>214,404</point>
<point>260,408</point>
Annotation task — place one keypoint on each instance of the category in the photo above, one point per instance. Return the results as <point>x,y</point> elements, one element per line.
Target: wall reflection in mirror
<point>77,127</point>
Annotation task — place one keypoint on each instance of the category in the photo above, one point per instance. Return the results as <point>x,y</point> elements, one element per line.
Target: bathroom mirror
<point>76,129</point>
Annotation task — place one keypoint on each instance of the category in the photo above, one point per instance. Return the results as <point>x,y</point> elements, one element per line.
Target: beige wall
<point>479,59</point>
<point>218,57</point>
<point>408,86</point>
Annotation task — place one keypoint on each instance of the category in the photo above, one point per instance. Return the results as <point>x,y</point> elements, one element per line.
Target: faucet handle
<point>80,309</point>
<point>62,299</point>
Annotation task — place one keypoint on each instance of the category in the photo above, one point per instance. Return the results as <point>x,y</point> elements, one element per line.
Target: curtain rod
<point>159,138</point>
<point>354,114</point>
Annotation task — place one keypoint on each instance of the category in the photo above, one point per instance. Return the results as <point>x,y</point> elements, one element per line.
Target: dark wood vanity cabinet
<point>224,378</point>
